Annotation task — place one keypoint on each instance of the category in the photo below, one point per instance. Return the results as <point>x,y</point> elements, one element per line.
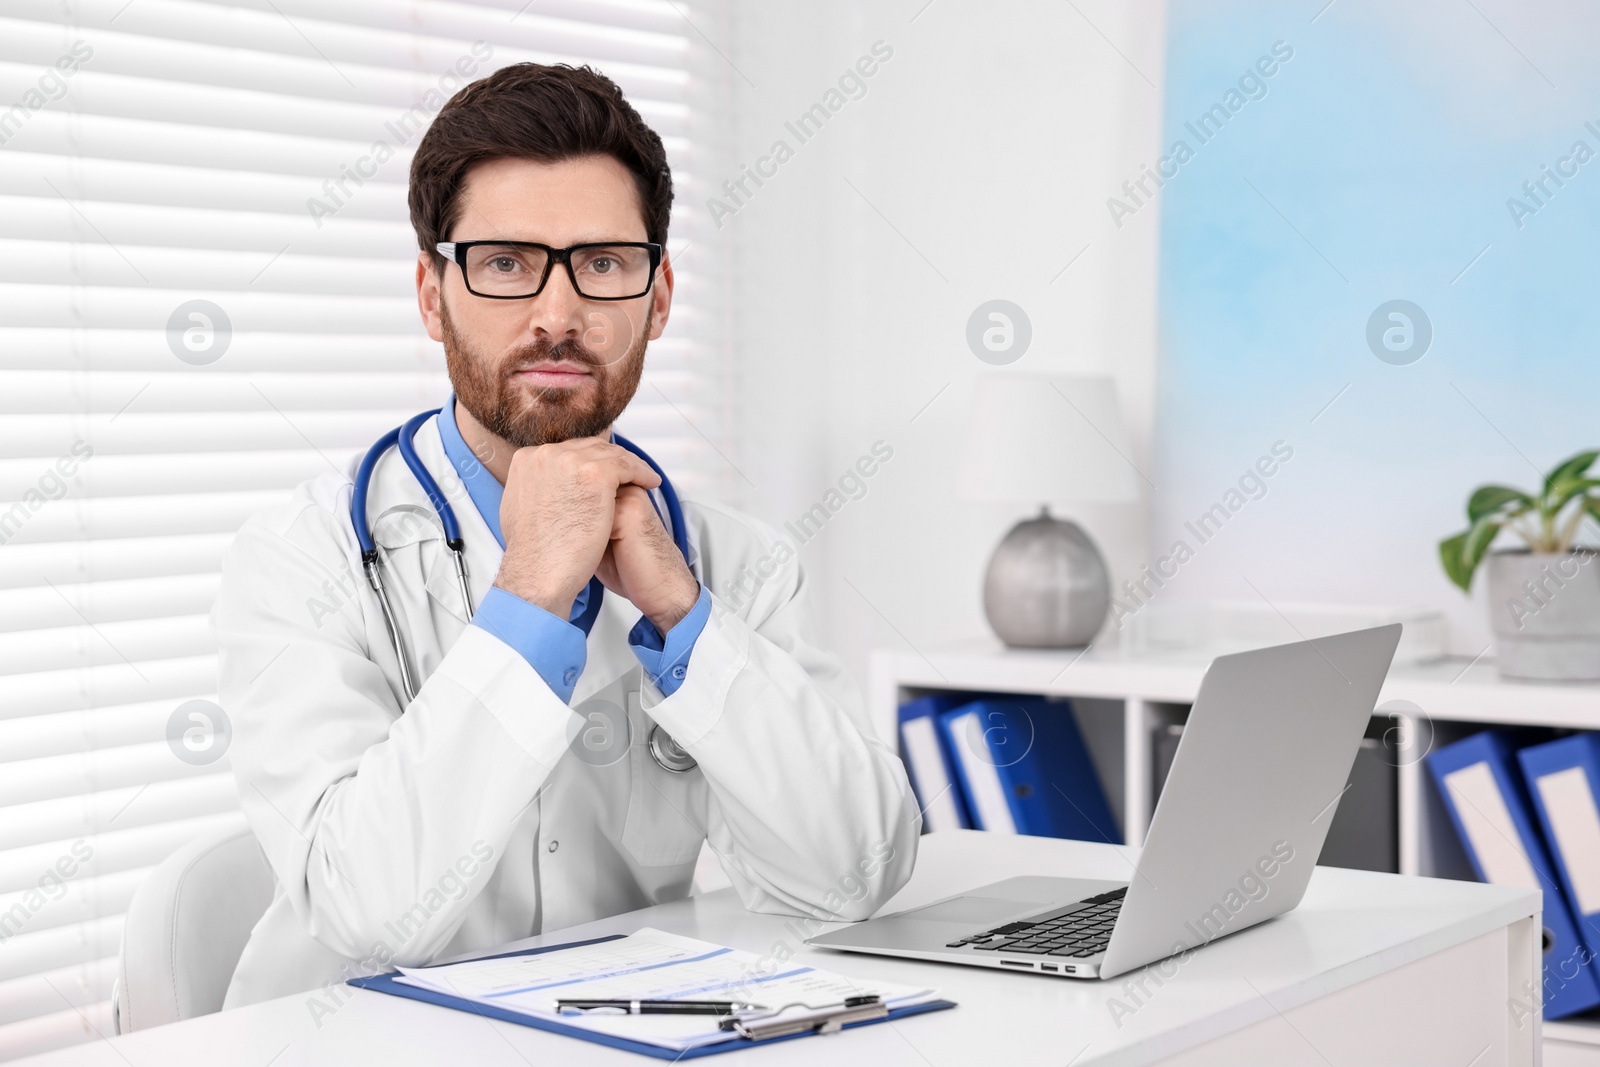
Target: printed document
<point>651,965</point>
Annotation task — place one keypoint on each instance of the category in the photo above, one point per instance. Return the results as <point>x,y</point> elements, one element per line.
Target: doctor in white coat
<point>519,790</point>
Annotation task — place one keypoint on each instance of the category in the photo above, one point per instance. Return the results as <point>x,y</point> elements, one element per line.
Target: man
<point>485,809</point>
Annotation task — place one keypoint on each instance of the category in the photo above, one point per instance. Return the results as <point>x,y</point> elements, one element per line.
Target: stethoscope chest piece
<point>668,754</point>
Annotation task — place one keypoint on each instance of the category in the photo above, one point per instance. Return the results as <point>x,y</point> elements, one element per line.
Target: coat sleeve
<point>374,822</point>
<point>809,813</point>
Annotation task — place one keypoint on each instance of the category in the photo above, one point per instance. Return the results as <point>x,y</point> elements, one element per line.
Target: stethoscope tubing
<point>447,515</point>
<point>662,749</point>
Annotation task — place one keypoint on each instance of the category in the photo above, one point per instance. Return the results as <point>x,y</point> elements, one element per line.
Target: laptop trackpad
<point>974,910</point>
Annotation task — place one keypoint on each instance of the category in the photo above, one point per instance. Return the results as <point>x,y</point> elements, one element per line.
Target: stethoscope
<point>663,749</point>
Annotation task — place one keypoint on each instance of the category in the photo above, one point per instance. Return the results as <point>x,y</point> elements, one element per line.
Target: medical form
<point>655,965</point>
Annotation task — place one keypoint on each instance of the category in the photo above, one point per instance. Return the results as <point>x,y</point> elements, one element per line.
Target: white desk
<point>1371,969</point>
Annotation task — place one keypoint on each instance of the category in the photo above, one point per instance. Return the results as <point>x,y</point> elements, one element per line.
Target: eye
<point>603,265</point>
<point>503,264</point>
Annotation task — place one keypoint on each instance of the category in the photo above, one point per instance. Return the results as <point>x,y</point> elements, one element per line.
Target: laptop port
<point>1065,969</point>
<point>1047,967</point>
<point>1016,963</point>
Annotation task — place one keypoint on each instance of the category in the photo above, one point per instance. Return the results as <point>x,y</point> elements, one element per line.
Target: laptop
<point>1264,759</point>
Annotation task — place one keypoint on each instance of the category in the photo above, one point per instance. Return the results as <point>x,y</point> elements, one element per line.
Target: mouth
<point>558,374</point>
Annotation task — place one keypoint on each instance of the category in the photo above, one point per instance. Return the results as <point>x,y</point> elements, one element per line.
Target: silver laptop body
<point>1241,820</point>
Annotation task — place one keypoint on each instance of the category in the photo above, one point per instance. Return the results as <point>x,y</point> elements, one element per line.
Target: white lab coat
<point>402,834</point>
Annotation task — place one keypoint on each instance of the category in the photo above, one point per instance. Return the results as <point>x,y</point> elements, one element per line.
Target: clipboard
<point>385,983</point>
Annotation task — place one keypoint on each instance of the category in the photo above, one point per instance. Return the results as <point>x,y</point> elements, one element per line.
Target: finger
<point>574,443</point>
<point>574,450</point>
<point>629,469</point>
<point>601,464</point>
<point>601,458</point>
<point>600,446</point>
<point>634,512</point>
<point>632,495</point>
<point>556,448</point>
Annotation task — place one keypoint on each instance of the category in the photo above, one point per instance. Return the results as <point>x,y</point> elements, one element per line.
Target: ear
<point>661,297</point>
<point>429,296</point>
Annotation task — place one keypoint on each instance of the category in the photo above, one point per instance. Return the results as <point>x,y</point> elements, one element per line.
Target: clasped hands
<point>578,509</point>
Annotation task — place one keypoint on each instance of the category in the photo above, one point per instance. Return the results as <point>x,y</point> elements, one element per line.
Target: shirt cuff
<point>553,647</point>
<point>666,661</point>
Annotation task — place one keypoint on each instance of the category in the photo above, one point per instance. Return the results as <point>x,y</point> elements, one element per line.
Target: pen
<point>656,1007</point>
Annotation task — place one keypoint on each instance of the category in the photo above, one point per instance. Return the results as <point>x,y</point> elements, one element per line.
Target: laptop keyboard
<point>1078,931</point>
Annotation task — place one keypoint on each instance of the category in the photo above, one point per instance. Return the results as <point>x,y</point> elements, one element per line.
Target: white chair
<point>186,928</point>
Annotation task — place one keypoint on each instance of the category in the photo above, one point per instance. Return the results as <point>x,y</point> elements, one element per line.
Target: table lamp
<point>1047,440</point>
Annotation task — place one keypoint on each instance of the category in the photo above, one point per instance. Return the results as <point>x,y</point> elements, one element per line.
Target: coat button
<point>679,672</point>
<point>570,676</point>
<point>554,845</point>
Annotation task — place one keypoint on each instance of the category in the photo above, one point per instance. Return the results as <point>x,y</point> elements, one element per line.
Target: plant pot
<point>1544,609</point>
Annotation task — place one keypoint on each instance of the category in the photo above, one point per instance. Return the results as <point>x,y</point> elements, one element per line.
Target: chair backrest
<point>186,928</point>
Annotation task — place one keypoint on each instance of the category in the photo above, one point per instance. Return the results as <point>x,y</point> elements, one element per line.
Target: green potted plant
<point>1544,597</point>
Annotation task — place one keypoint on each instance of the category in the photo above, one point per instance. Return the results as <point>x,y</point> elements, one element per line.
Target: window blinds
<point>205,298</point>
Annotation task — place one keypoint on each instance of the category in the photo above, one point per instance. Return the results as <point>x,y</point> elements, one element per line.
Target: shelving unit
<point>1122,701</point>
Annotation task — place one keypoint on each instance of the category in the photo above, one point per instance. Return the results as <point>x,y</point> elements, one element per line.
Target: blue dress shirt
<point>557,648</point>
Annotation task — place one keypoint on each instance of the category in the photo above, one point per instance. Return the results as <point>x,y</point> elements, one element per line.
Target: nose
<point>557,312</point>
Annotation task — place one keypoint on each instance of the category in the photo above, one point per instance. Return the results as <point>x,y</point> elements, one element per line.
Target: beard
<point>487,388</point>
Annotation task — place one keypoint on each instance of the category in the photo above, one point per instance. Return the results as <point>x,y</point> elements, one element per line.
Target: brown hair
<point>544,113</point>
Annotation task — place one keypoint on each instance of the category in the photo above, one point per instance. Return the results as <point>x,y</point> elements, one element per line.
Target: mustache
<point>568,350</point>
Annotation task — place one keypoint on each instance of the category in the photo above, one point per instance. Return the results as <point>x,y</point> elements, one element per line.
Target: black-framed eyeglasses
<point>517,270</point>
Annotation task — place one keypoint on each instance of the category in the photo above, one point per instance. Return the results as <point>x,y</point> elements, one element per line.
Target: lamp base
<point>1046,586</point>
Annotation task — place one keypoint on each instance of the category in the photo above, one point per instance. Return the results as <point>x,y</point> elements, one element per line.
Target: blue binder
<point>385,983</point>
<point>1484,794</point>
<point>1025,769</point>
<point>1563,781</point>
<point>929,763</point>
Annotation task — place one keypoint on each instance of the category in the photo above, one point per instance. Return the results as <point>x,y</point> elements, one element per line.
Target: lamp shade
<point>1045,440</point>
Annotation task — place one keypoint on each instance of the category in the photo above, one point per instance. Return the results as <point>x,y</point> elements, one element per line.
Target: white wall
<point>989,141</point>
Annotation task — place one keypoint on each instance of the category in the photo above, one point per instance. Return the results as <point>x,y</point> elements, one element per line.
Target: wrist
<point>671,613</point>
<point>521,580</point>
